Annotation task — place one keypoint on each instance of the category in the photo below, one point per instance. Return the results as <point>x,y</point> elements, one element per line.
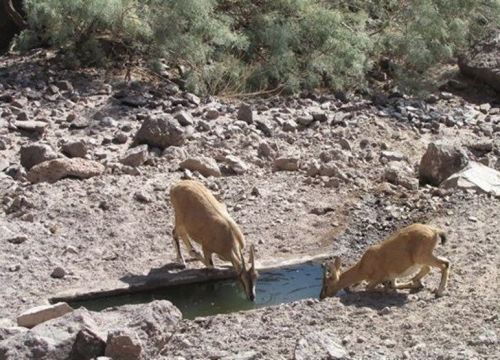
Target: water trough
<point>203,292</point>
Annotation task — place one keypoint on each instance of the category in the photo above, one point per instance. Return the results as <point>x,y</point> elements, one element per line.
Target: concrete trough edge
<point>163,280</point>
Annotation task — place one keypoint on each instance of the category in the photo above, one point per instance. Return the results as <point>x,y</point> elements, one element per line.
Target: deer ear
<point>251,259</point>
<point>337,263</point>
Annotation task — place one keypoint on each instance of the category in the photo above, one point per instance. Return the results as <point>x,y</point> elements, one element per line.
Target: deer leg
<point>208,259</point>
<point>180,258</point>
<point>192,251</point>
<point>444,265</point>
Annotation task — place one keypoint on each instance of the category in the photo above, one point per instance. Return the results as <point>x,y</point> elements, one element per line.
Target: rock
<point>40,314</point>
<point>320,345</point>
<point>245,113</point>
<point>32,126</point>
<point>134,101</point>
<point>184,118</point>
<point>9,328</point>
<point>305,119</point>
<point>161,132</point>
<point>123,345</point>
<point>58,273</point>
<point>78,122</point>
<point>393,155</point>
<point>108,121</point>
<point>345,145</point>
<point>17,239</point>
<point>204,165</point>
<point>64,85</point>
<point>53,170</point>
<point>332,170</point>
<point>142,197</point>
<point>482,62</point>
<point>286,163</point>
<point>477,177</point>
<point>399,174</point>
<point>265,127</point>
<point>265,150</point>
<point>212,114</point>
<point>120,137</point>
<point>88,345</point>
<point>236,164</point>
<point>52,339</point>
<point>34,154</point>
<point>439,162</point>
<point>319,115</point>
<point>75,149</point>
<point>313,168</point>
<point>289,125</point>
<point>135,156</point>
<point>193,99</point>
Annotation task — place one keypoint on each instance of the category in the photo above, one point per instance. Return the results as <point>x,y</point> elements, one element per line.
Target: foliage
<point>233,46</point>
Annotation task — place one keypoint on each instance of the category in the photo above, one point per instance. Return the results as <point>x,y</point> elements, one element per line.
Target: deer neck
<point>351,276</point>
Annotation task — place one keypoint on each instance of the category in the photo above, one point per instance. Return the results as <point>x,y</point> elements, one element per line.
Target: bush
<point>234,46</point>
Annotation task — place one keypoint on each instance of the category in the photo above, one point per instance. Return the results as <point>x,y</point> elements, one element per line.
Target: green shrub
<point>237,46</point>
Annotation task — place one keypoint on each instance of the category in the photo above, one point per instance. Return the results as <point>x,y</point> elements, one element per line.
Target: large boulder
<point>161,132</point>
<point>81,334</point>
<point>53,339</point>
<point>476,177</point>
<point>483,61</point>
<point>53,170</point>
<point>441,161</point>
<point>34,154</point>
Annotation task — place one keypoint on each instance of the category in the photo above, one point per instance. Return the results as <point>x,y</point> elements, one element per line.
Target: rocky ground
<point>83,201</point>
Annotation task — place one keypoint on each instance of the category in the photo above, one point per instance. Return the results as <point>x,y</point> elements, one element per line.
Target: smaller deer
<point>201,218</point>
<point>400,255</point>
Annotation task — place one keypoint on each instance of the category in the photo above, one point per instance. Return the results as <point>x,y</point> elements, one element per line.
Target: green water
<point>217,297</point>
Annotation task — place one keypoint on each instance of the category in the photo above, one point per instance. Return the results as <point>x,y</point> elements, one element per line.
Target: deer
<point>201,218</point>
<point>400,255</point>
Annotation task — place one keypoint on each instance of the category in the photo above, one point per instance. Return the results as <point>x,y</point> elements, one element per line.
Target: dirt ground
<point>117,224</point>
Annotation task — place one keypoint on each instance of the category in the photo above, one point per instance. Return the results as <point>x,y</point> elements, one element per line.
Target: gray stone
<point>135,156</point>
<point>305,119</point>
<point>54,170</point>
<point>123,345</point>
<point>88,345</point>
<point>161,132</point>
<point>34,154</point>
<point>399,174</point>
<point>289,125</point>
<point>265,150</point>
<point>17,239</point>
<point>204,165</point>
<point>58,273</point>
<point>120,137</point>
<point>184,118</point>
<point>477,177</point>
<point>286,163</point>
<point>320,345</point>
<point>211,114</point>
<point>237,165</point>
<point>439,162</point>
<point>40,314</point>
<point>64,85</point>
<point>9,328</point>
<point>75,149</point>
<point>108,121</point>
<point>393,155</point>
<point>245,113</point>
<point>32,126</point>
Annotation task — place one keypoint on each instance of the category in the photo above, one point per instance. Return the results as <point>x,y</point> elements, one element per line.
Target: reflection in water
<point>201,299</point>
